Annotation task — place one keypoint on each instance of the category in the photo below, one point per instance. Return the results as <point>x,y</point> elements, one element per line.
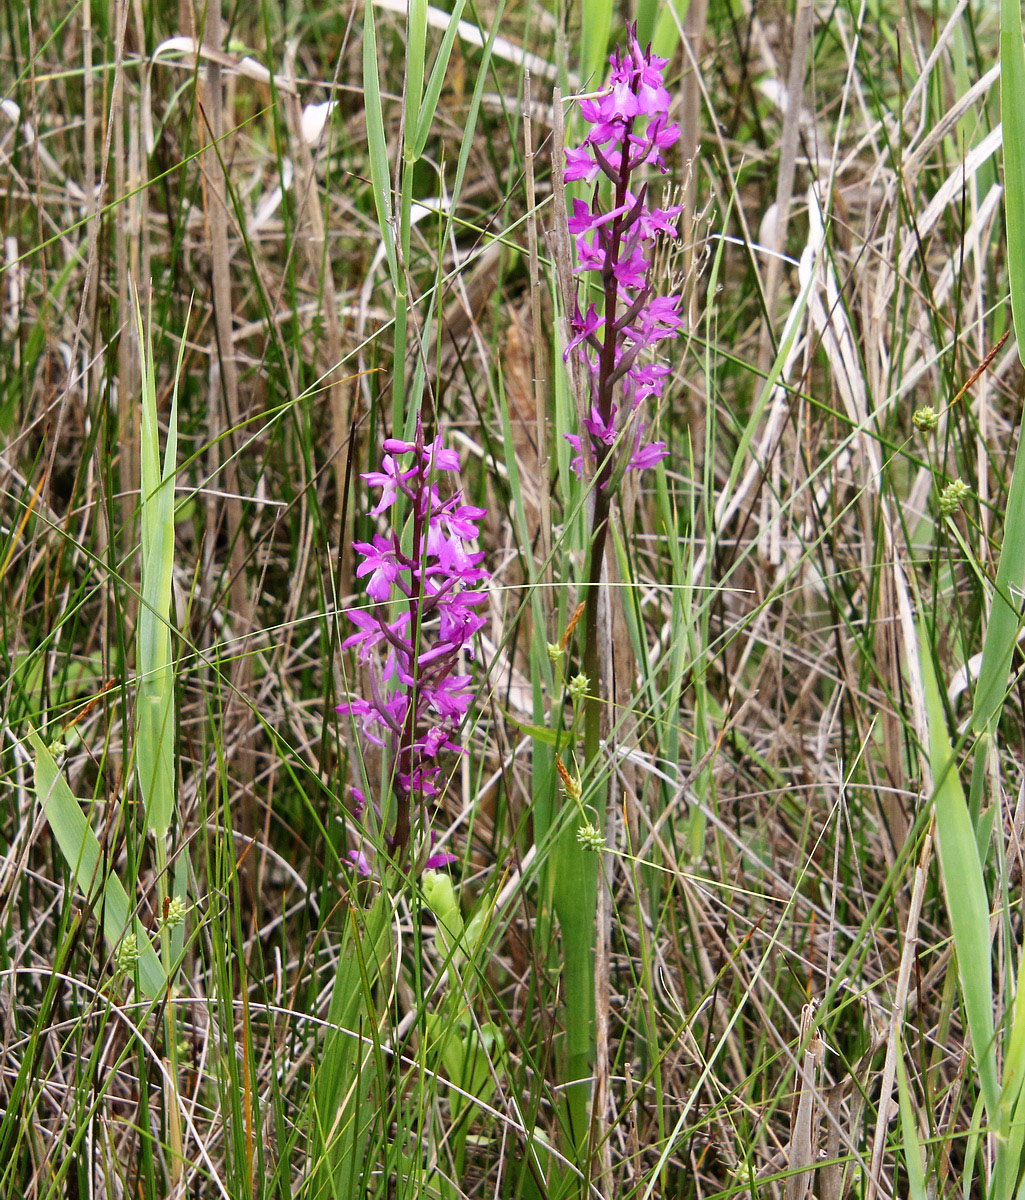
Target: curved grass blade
<point>81,850</point>
<point>963,886</point>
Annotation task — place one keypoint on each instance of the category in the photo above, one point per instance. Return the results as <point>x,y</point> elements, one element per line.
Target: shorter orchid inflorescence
<point>630,129</point>
<point>418,630</point>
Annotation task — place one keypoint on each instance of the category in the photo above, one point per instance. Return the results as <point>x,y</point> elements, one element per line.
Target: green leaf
<point>913,1159</point>
<point>81,851</point>
<point>1012,112</point>
<point>154,747</point>
<point>595,25</point>
<point>416,63</point>
<point>380,173</point>
<point>964,887</point>
<point>540,733</point>
<point>667,31</point>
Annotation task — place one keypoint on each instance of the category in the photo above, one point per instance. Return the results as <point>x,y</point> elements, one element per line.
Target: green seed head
<point>926,418</point>
<point>555,652</point>
<point>175,915</point>
<point>953,496</point>
<point>127,953</point>
<point>578,686</point>
<point>591,837</point>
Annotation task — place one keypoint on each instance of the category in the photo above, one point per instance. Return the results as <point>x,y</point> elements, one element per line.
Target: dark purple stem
<point>405,762</point>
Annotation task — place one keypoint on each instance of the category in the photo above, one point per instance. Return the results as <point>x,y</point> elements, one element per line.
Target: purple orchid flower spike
<point>630,129</point>
<point>418,629</point>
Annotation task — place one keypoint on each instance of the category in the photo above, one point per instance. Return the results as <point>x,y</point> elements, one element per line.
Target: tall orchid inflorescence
<point>419,627</point>
<point>630,129</point>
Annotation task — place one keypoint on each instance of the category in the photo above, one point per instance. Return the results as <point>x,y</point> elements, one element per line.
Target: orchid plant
<point>423,583</point>
<point>614,333</point>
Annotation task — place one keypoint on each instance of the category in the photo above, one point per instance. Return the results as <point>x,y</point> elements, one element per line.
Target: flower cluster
<point>630,129</point>
<point>423,618</point>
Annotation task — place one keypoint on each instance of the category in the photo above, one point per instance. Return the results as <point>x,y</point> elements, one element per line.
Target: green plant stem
<point>171,1114</point>
<point>576,876</point>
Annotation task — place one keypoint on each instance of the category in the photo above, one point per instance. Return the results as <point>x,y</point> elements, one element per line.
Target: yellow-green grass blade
<point>646,14</point>
<point>377,145</point>
<point>1014,1057</point>
<point>416,65</point>
<point>595,26</point>
<point>913,1161</point>
<point>1012,111</point>
<point>666,36</point>
<point>1011,1129</point>
<point>154,748</point>
<point>963,886</point>
<point>429,106</point>
<point>81,850</point>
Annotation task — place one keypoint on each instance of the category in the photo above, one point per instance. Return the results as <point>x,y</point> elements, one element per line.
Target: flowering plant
<point>612,339</point>
<point>630,128</point>
<point>422,620</point>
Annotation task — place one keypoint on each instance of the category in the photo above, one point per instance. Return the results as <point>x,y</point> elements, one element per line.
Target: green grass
<point>816,755</point>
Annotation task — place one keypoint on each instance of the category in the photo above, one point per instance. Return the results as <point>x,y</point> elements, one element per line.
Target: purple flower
<point>646,456</point>
<point>381,564</point>
<point>360,861</point>
<point>630,128</point>
<point>587,328</point>
<point>602,429</point>
<point>438,858</point>
<point>390,479</point>
<point>424,618</point>
<point>580,165</point>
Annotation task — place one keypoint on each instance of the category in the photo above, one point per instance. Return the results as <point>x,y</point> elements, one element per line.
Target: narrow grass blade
<point>380,175</point>
<point>964,887</point>
<point>1011,1127</point>
<point>913,1161</point>
<point>429,106</point>
<point>154,749</point>
<point>81,850</point>
<point>666,37</point>
<point>416,63</point>
<point>1012,111</point>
